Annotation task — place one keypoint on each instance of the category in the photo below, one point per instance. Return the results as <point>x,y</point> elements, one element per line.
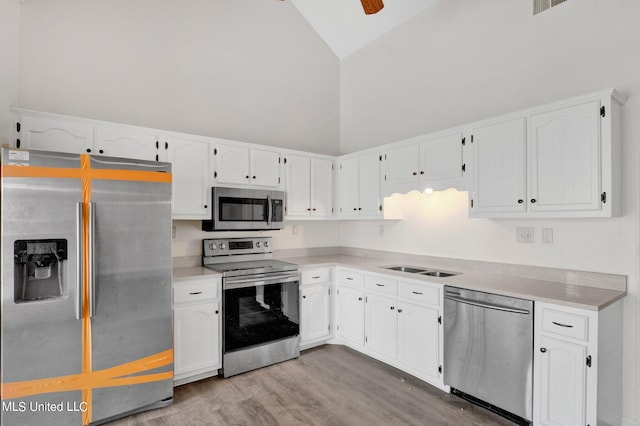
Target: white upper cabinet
<point>190,167</point>
<point>54,135</point>
<point>564,159</point>
<point>241,165</point>
<point>359,186</point>
<point>558,160</point>
<point>430,161</point>
<point>499,182</point>
<point>118,142</point>
<point>309,186</point>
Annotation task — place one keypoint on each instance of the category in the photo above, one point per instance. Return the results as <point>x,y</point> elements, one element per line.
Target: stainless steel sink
<point>440,274</point>
<point>428,272</point>
<point>408,269</point>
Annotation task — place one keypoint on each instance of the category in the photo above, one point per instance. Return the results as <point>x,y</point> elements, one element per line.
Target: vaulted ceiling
<point>344,26</point>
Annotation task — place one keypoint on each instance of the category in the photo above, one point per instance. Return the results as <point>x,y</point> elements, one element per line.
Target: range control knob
<point>258,244</point>
<point>222,246</point>
<point>212,246</point>
<point>266,243</point>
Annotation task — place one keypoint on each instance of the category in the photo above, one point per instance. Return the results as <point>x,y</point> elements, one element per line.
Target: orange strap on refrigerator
<point>88,379</point>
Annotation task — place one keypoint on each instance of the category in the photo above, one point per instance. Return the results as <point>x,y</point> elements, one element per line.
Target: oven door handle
<point>242,283</point>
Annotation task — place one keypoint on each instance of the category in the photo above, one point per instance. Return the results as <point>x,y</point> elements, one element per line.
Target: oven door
<point>259,309</point>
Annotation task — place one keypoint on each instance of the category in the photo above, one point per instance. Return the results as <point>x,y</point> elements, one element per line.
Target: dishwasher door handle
<point>488,305</point>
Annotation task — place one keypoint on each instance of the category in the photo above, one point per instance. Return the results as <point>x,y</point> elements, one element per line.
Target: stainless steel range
<point>261,321</point>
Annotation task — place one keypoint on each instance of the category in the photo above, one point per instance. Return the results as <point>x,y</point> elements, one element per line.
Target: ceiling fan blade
<point>372,6</point>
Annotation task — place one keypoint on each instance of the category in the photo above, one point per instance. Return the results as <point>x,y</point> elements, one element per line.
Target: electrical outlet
<point>547,235</point>
<point>294,229</point>
<point>524,235</point>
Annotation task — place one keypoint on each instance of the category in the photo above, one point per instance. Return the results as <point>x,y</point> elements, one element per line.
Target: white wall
<point>463,61</point>
<point>9,42</point>
<point>246,70</point>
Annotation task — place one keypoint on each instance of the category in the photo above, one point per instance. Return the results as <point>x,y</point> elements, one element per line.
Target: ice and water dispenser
<point>39,271</point>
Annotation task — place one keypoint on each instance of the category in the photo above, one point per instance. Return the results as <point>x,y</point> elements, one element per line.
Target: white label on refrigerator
<point>21,156</point>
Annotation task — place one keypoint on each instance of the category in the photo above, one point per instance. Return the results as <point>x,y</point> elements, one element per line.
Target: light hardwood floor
<point>328,385</point>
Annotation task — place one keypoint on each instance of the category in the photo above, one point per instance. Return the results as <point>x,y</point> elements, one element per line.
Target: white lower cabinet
<point>382,324</point>
<point>397,322</point>
<point>351,316</point>
<point>197,329</point>
<point>315,306</point>
<point>418,340</point>
<point>577,366</point>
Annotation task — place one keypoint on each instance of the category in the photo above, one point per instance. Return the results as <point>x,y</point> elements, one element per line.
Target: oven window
<point>260,314</point>
<point>234,209</point>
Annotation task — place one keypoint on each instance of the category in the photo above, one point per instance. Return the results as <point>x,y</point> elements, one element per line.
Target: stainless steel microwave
<point>237,209</point>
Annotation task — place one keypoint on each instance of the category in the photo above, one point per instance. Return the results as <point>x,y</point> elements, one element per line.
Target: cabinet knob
<point>543,350</point>
<point>314,209</point>
<point>101,151</point>
<point>359,208</point>
<point>309,209</point>
<point>359,298</point>
<point>217,312</point>
<point>205,206</point>
<point>304,297</point>
<point>415,173</point>
<point>89,150</point>
<point>355,209</point>
<point>246,177</point>
<point>533,200</point>
<point>254,177</point>
<point>421,172</point>
<point>392,308</point>
<point>520,201</point>
<point>399,311</point>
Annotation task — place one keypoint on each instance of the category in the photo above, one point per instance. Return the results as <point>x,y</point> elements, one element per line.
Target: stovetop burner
<point>242,256</point>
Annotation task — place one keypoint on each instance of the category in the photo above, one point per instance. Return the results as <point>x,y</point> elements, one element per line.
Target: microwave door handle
<point>269,210</point>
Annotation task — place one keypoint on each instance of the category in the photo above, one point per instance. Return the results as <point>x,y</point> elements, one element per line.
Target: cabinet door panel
<point>369,185</point>
<point>315,310</point>
<point>321,187</point>
<point>564,159</point>
<point>265,168</point>
<point>562,389</point>
<point>232,164</point>
<point>441,158</point>
<point>116,142</point>
<point>55,135</point>
<point>351,315</point>
<point>298,185</point>
<point>382,325</point>
<point>419,338</point>
<point>349,200</point>
<point>499,167</point>
<point>196,335</point>
<point>402,166</point>
<point>190,168</point>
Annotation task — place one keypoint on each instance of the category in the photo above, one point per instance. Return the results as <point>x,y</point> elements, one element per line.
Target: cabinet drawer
<point>381,284</point>
<point>194,291</point>
<point>351,278</point>
<point>421,293</point>
<point>566,324</point>
<point>315,275</point>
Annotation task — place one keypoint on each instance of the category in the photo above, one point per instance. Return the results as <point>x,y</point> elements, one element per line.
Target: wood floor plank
<point>329,385</point>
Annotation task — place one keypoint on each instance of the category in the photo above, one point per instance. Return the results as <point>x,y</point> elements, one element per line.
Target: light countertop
<point>583,297</point>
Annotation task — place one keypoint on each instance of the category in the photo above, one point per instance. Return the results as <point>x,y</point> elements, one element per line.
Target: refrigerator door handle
<point>79,261</point>
<point>92,250</point>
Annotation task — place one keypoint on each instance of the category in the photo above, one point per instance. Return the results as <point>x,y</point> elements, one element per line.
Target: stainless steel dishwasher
<point>488,351</point>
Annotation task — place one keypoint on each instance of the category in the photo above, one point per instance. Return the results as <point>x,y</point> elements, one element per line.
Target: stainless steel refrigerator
<point>86,287</point>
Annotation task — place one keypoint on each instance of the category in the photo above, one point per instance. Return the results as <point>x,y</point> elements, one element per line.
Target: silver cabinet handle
<point>562,325</point>
<point>79,269</point>
<point>380,285</point>
<point>316,277</point>
<point>195,293</point>
<point>417,292</point>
